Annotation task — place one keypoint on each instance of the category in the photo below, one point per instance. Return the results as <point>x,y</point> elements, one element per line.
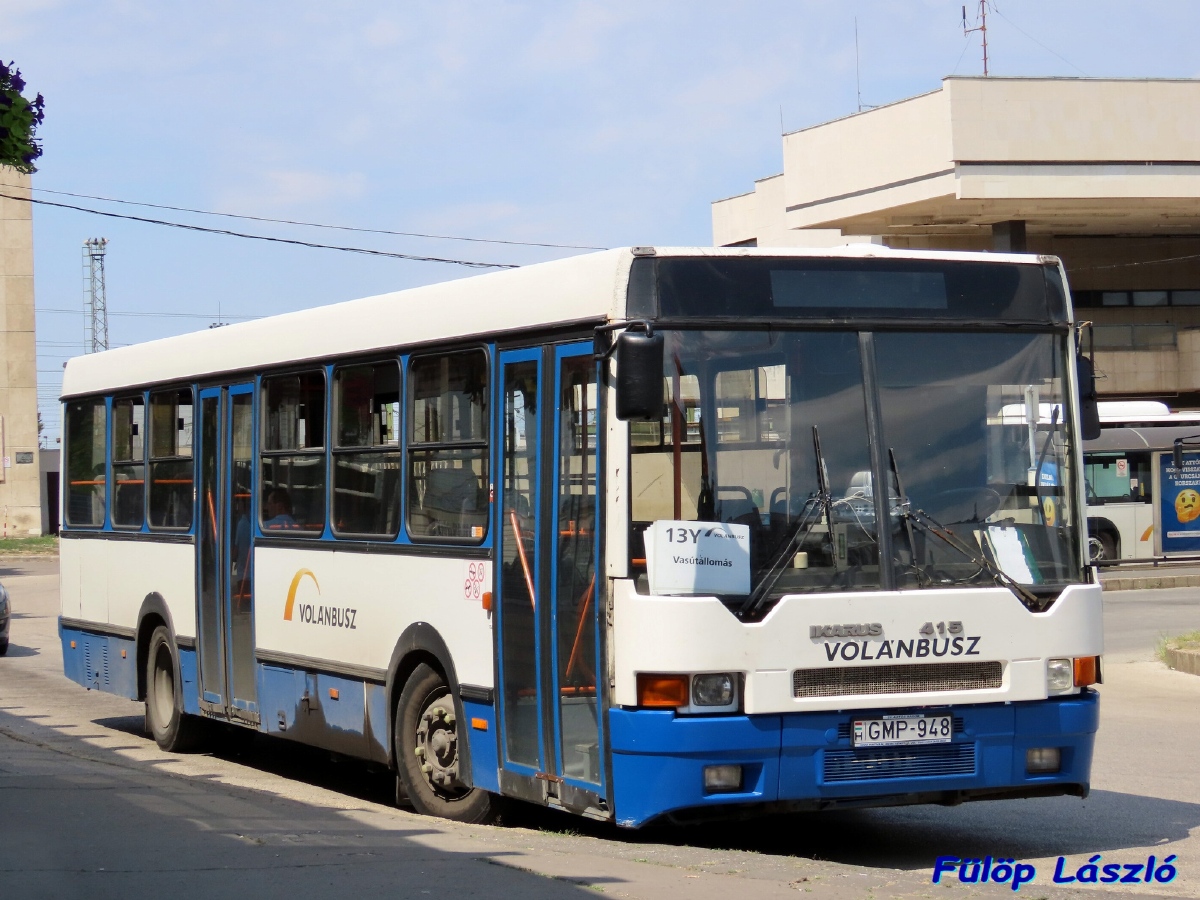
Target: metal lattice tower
<point>94,300</point>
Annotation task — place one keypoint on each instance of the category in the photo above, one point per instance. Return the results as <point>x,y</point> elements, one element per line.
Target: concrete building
<point>21,488</point>
<point>1102,173</point>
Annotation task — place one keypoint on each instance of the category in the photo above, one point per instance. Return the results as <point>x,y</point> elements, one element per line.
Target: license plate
<point>899,731</point>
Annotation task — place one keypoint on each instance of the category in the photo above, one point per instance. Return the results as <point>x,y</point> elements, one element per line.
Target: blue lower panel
<point>315,708</point>
<point>480,732</point>
<point>100,662</point>
<point>659,758</point>
<point>189,675</point>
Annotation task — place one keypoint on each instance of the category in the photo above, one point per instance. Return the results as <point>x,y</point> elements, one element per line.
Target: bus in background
<point>1118,475</point>
<point>644,534</point>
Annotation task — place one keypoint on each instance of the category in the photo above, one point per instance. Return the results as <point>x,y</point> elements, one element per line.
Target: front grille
<point>901,762</point>
<point>912,679</point>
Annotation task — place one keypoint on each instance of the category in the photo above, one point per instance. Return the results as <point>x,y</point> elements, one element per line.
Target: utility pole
<point>981,18</point>
<point>94,299</point>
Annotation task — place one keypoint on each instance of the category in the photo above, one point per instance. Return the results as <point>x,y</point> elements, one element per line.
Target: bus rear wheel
<point>427,758</point>
<point>165,720</point>
<point>1101,546</point>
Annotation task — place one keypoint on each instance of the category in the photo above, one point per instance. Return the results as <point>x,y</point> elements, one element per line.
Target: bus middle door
<point>224,576</point>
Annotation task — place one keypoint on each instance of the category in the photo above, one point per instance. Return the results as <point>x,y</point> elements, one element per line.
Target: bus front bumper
<point>799,761</point>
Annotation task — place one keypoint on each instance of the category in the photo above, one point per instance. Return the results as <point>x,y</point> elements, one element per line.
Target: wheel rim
<point>1096,549</point>
<point>437,747</point>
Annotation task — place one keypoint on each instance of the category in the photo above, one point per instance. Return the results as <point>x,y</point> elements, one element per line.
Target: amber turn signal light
<point>662,690</point>
<point>1087,670</point>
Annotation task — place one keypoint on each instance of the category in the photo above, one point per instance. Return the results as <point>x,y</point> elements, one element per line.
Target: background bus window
<point>86,481</point>
<point>1117,477</point>
<point>366,461</point>
<point>171,469</point>
<point>128,463</point>
<point>293,453</point>
<point>447,452</point>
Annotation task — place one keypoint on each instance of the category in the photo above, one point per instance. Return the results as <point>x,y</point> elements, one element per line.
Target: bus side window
<point>292,488</point>
<point>448,447</point>
<point>366,455</point>
<point>86,479</point>
<point>171,459</point>
<point>128,462</point>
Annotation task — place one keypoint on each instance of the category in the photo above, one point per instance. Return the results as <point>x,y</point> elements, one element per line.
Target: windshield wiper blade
<point>932,526</point>
<point>821,503</point>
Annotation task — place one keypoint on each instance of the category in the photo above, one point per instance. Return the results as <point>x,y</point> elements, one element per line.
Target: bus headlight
<point>1060,675</point>
<point>712,690</point>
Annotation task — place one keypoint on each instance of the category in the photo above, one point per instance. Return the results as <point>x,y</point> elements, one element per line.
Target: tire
<point>4,649</point>
<point>165,720</point>
<point>1108,546</point>
<point>1101,546</point>
<point>427,759</point>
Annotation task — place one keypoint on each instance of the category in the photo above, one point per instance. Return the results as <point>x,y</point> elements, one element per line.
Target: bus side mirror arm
<point>1089,405</point>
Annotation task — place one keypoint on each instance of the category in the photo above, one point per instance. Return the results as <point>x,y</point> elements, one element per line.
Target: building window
<point>293,453</point>
<point>366,456</point>
<point>128,462</point>
<point>86,479</point>
<point>171,468</point>
<point>448,447</point>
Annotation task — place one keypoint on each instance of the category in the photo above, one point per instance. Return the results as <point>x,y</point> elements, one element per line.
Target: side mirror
<point>1177,455</point>
<point>1089,405</point>
<point>639,375</point>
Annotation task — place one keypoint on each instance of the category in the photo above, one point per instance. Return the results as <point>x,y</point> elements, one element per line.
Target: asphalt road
<point>89,806</point>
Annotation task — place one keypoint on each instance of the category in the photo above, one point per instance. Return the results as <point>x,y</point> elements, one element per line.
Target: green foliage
<point>19,119</point>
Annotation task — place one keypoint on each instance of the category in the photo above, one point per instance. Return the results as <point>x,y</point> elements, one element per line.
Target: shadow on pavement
<point>93,823</point>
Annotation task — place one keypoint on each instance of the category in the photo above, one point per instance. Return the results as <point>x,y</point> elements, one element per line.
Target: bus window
<point>85,464</point>
<point>293,453</point>
<point>447,451</point>
<point>128,458</point>
<point>366,460</point>
<point>171,459</point>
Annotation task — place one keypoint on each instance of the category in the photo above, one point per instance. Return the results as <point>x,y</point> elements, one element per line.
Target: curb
<point>1184,660</point>
<point>1150,582</point>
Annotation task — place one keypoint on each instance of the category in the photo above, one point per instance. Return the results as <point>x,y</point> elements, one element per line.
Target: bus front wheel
<point>427,758</point>
<point>165,720</point>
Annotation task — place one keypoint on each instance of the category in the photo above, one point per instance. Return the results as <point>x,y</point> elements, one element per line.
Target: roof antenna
<point>857,73</point>
<point>981,18</point>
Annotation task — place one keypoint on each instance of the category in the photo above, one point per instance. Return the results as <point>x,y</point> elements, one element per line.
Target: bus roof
<point>586,288</point>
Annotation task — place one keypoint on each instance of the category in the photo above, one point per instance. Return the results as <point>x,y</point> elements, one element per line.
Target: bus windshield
<point>967,427</point>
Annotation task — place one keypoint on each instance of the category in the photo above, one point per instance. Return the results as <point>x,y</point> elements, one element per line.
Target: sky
<point>579,124</point>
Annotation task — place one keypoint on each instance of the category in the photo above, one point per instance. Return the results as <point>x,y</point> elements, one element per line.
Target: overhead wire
<point>1039,43</point>
<point>249,218</point>
<point>473,264</point>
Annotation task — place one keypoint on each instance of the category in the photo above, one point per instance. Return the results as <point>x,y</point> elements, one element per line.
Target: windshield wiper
<point>822,502</point>
<point>932,526</point>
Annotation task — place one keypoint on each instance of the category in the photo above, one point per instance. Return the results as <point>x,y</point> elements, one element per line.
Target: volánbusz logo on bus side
<point>311,613</point>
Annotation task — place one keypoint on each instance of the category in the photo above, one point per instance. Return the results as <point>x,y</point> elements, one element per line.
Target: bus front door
<point>225,639</point>
<point>548,599</point>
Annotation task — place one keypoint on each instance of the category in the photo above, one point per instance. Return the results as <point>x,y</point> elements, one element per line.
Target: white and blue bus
<point>601,534</point>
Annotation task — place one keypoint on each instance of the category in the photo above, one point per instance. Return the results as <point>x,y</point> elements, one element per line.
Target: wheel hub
<point>437,748</point>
